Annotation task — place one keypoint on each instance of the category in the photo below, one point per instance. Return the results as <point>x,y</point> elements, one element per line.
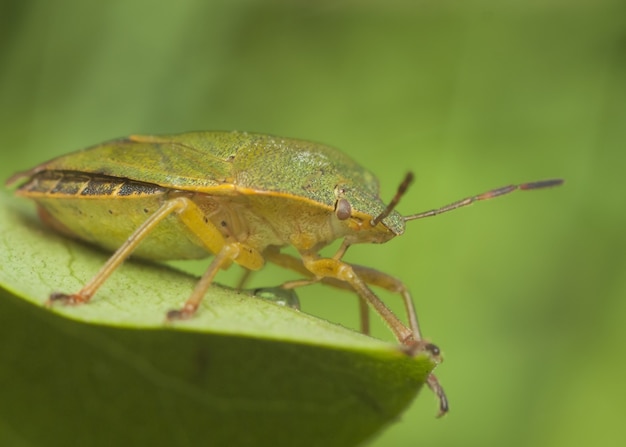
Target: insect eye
<point>343,210</point>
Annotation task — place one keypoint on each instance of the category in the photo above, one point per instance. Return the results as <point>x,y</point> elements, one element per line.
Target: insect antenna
<point>485,196</point>
<point>399,193</point>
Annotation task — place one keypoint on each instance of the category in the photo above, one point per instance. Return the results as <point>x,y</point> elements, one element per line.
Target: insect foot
<point>67,299</point>
<point>181,314</point>
<point>414,348</point>
<point>437,389</point>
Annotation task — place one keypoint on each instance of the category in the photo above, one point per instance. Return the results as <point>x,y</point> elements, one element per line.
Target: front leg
<point>338,270</point>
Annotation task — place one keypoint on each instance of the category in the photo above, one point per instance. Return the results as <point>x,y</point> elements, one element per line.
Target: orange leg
<point>368,275</point>
<point>354,277</point>
<point>210,236</point>
<point>227,254</point>
<point>120,255</point>
<point>436,388</point>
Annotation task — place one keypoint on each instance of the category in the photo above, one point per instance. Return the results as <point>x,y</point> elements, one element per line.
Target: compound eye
<point>343,210</point>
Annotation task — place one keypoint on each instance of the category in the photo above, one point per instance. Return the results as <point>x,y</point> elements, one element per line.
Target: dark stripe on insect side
<point>100,186</point>
<point>70,186</point>
<point>129,188</point>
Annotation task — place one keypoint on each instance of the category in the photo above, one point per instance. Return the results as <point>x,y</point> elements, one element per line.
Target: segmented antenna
<point>484,196</point>
<point>399,193</point>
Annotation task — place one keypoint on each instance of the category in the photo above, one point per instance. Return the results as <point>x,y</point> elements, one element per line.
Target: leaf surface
<point>244,371</point>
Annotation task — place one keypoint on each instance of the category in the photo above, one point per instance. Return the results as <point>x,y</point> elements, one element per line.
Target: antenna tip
<point>542,184</point>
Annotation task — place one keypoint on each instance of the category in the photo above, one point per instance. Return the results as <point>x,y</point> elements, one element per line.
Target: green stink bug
<point>240,197</point>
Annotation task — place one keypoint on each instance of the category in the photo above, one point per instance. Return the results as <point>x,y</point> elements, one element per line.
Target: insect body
<point>235,195</point>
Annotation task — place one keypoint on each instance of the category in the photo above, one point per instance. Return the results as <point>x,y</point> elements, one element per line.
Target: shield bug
<point>240,197</point>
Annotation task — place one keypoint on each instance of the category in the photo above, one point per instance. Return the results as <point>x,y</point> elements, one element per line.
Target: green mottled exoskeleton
<point>240,197</point>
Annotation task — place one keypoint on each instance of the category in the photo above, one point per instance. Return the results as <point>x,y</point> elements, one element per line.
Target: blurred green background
<point>525,295</point>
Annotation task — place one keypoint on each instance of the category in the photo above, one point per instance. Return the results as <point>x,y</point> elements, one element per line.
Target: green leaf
<point>244,371</point>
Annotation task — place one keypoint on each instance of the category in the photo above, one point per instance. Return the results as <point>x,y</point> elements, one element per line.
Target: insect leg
<point>120,255</point>
<point>293,263</point>
<point>333,268</point>
<point>243,280</point>
<point>374,277</point>
<point>388,282</point>
<point>370,276</point>
<point>334,272</point>
<point>435,387</point>
<point>227,254</point>
<point>364,316</point>
<point>383,280</point>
